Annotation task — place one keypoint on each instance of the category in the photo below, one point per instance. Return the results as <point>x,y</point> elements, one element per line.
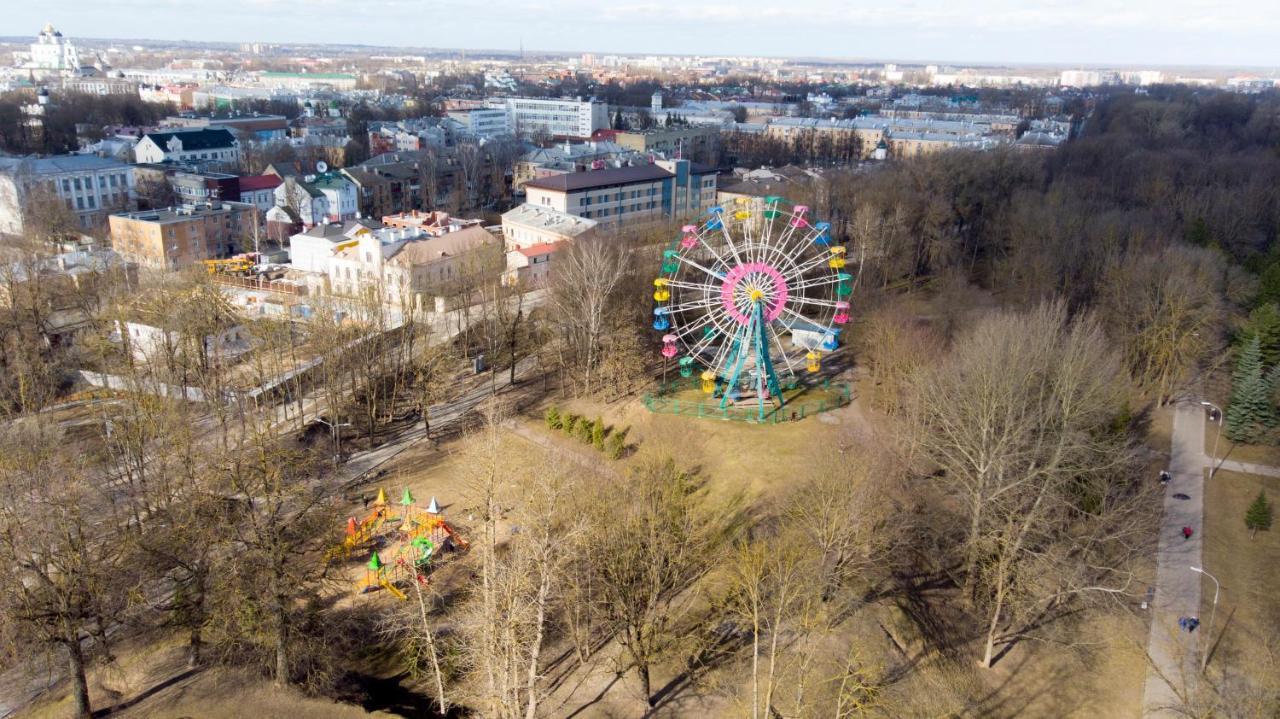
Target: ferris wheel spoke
<point>815,282</point>
<point>802,300</point>
<point>797,317</point>
<point>695,265</point>
<point>777,341</point>
<point>694,286</point>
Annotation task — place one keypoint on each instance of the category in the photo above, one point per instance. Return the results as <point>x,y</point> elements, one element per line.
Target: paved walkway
<point>1174,661</point>
<point>1246,468</point>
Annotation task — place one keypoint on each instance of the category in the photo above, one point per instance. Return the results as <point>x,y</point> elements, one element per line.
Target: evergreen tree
<point>1258,515</point>
<point>597,434</point>
<point>1264,323</point>
<point>618,122</point>
<point>553,418</point>
<point>1269,283</point>
<point>1251,410</point>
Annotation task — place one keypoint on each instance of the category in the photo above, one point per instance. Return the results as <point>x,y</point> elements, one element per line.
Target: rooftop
<point>546,218</point>
<point>259,182</point>
<point>202,139</point>
<point>59,163</point>
<point>539,250</point>
<point>571,181</point>
<point>184,214</point>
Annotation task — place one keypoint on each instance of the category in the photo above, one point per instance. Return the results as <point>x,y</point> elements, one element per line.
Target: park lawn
<point>736,458</point>
<point>1250,453</point>
<point>1246,567</point>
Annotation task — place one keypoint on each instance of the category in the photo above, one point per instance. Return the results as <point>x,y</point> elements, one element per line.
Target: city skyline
<point>1093,32</point>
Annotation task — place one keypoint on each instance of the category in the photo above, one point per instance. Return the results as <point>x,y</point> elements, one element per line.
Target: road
<point>1174,662</point>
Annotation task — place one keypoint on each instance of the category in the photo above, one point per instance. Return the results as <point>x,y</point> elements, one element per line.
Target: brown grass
<point>1246,567</point>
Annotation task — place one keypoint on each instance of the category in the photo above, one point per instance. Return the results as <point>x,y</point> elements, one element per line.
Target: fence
<point>677,398</point>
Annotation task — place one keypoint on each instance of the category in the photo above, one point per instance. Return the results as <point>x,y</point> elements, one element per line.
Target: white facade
<point>189,146</point>
<point>559,118</point>
<point>90,185</point>
<point>148,343</point>
<point>529,225</point>
<point>52,51</point>
<point>483,122</point>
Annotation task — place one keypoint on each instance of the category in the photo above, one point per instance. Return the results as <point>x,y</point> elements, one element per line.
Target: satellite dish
<point>322,167</point>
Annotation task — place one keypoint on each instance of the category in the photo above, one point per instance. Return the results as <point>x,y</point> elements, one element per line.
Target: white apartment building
<point>558,118</point>
<point>484,122</point>
<point>91,186</point>
<point>209,146</point>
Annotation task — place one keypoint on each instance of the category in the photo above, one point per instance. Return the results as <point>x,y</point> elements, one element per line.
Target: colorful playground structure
<point>401,543</point>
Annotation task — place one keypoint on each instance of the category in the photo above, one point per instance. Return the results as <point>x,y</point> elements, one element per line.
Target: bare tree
<point>1036,460</point>
<point>586,275</point>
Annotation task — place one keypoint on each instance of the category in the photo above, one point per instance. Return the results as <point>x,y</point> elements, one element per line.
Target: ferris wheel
<point>754,295</point>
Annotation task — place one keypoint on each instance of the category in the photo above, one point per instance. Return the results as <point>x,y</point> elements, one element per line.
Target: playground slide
<point>391,588</point>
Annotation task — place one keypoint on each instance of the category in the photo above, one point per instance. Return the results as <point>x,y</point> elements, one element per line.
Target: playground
<point>399,543</point>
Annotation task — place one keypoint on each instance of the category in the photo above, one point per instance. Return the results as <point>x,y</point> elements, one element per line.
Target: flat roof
<point>182,214</point>
<point>570,181</point>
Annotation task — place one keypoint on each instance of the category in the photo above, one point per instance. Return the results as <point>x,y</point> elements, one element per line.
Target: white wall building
<point>213,146</point>
<point>91,186</point>
<point>558,118</point>
<point>483,122</point>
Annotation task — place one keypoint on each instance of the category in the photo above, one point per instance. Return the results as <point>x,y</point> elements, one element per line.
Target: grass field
<point>1247,568</point>
<point>1250,453</point>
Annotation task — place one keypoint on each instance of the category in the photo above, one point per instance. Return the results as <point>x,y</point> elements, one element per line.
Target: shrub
<point>597,434</point>
<point>614,446</point>
<point>585,429</point>
<point>552,416</point>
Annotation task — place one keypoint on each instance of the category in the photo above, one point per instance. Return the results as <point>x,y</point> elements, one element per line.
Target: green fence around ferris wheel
<point>665,401</point>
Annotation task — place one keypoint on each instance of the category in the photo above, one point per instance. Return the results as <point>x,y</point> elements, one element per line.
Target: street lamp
<point>1213,458</point>
<point>1212,613</point>
<point>333,427</point>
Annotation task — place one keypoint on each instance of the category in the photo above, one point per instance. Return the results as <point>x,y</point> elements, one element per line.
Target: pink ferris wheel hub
<point>760,279</point>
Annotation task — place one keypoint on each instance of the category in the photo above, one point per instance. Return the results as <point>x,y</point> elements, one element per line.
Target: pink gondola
<point>669,346</point>
<point>799,212</point>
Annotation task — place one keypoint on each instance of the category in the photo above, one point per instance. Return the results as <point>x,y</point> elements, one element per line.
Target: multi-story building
<point>532,234</point>
<point>259,190</point>
<point>209,146</point>
<point>312,250</point>
<point>328,197</point>
<point>181,236</point>
<point>529,225</point>
<point>405,272</point>
<point>91,186</point>
<point>700,144</point>
<point>665,189</point>
<point>482,122</point>
<point>557,118</point>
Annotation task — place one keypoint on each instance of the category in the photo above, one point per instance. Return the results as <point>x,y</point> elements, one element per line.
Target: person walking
<point>1187,532</point>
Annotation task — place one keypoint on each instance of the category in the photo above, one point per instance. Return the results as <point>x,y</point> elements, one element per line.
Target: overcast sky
<point>1178,32</point>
